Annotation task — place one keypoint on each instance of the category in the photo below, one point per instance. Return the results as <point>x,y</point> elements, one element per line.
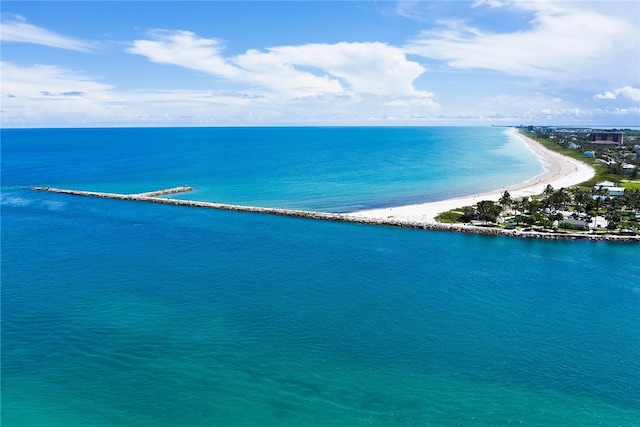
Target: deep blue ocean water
<point>125,313</point>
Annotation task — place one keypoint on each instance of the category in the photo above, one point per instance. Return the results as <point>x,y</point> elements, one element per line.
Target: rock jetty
<point>155,197</point>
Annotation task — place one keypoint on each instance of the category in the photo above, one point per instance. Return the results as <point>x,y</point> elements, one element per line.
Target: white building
<point>614,191</point>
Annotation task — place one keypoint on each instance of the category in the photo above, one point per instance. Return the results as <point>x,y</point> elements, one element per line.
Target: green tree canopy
<point>488,211</point>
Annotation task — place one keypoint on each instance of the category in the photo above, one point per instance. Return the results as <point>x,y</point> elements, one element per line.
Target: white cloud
<point>16,29</point>
<point>45,95</point>
<point>42,92</point>
<point>33,82</point>
<point>344,69</point>
<point>607,95</point>
<point>626,91</point>
<point>490,3</point>
<point>273,71</point>
<point>538,108</point>
<point>566,53</point>
<point>565,39</point>
<point>629,92</point>
<point>365,68</point>
<point>633,112</point>
<point>45,92</point>
<point>185,49</point>
<point>413,9</point>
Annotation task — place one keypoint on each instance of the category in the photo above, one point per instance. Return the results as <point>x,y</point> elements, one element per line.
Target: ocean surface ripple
<point>122,313</point>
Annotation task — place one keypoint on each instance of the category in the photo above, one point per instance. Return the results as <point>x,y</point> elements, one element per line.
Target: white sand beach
<point>559,171</point>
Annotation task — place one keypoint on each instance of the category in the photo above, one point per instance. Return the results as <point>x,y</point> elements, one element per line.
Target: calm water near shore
<point>124,313</point>
<point>335,169</point>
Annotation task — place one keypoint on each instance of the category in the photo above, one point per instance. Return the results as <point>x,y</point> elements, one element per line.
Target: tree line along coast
<point>608,203</point>
<point>595,209</point>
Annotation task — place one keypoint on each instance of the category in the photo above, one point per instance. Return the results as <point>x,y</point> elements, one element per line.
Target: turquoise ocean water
<point>124,313</point>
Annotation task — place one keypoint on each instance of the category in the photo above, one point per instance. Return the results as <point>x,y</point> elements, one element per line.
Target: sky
<point>327,63</point>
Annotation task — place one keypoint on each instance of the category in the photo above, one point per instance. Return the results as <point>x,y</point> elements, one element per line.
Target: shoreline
<point>156,197</point>
<point>559,171</point>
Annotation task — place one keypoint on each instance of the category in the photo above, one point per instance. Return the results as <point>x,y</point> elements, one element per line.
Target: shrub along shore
<point>154,197</point>
<point>552,204</point>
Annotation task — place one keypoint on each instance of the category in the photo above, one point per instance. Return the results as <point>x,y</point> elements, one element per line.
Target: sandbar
<point>558,171</point>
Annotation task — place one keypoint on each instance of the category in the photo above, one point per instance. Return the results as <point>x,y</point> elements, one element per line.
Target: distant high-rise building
<point>606,138</point>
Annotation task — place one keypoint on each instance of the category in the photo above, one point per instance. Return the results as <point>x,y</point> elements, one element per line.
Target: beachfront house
<point>577,224</point>
<point>612,188</point>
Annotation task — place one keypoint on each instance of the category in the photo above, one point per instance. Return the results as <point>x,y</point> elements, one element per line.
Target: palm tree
<point>632,199</point>
<point>468,213</point>
<point>615,202</point>
<point>558,199</point>
<point>505,200</point>
<point>613,217</point>
<point>534,206</point>
<point>580,198</point>
<point>599,195</point>
<point>488,211</point>
<point>625,199</point>
<point>547,193</point>
<point>615,168</point>
<point>525,204</point>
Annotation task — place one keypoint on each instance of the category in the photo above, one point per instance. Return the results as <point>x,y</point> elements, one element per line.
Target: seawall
<point>153,197</point>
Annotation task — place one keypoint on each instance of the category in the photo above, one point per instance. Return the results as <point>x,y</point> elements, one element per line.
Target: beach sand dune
<point>559,171</point>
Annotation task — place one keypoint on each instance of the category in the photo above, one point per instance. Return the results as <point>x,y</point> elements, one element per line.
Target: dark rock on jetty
<point>153,197</point>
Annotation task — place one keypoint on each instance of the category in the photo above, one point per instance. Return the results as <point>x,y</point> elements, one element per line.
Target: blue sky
<point>241,63</point>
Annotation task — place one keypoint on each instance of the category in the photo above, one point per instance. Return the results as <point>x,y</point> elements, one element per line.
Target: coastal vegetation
<point>575,209</point>
<point>601,211</point>
<point>617,161</point>
<point>607,203</point>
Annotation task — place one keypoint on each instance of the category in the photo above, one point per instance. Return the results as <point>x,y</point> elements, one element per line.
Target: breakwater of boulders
<point>155,197</point>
